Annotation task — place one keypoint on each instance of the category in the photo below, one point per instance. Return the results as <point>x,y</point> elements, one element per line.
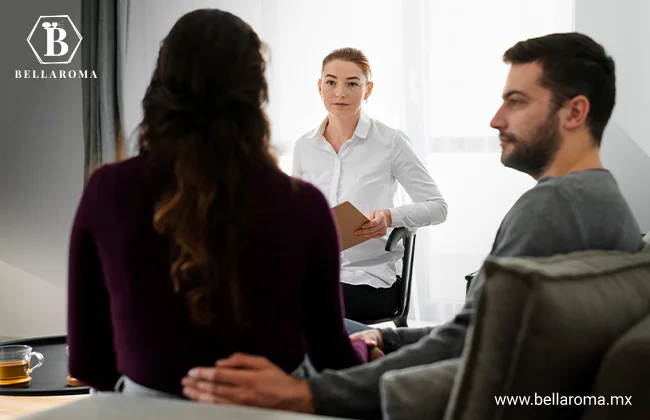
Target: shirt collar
<point>363,126</point>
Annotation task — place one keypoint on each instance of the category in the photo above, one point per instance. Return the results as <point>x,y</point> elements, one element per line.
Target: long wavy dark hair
<point>204,129</point>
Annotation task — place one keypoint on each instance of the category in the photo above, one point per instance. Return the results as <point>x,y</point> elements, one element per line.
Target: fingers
<point>376,232</point>
<point>367,337</point>
<point>372,223</point>
<point>220,375</point>
<point>231,381</point>
<point>244,361</point>
<point>197,394</point>
<point>358,335</point>
<point>366,340</point>
<point>210,392</point>
<point>372,227</point>
<point>201,386</point>
<point>375,228</point>
<point>375,353</point>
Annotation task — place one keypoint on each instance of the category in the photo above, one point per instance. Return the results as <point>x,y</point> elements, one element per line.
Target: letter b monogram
<point>55,35</point>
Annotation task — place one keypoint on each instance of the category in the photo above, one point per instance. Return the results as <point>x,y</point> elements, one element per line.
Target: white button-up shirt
<point>366,172</point>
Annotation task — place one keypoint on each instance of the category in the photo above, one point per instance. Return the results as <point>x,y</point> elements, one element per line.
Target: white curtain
<point>438,76</point>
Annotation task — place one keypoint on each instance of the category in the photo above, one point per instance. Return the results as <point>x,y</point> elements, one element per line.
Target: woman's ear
<point>320,91</point>
<point>368,90</point>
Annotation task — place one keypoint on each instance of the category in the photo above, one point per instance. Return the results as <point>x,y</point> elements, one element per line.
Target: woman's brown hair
<point>352,55</point>
<point>204,129</point>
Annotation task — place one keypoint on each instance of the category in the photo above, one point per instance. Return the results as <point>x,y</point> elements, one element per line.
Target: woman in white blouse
<point>353,157</point>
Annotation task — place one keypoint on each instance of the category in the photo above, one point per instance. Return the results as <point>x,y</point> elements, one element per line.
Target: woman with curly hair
<point>200,246</point>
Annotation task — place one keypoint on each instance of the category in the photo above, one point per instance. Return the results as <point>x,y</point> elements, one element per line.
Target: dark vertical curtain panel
<point>104,28</point>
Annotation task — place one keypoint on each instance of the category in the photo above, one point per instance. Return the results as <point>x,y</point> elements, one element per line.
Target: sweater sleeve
<point>328,343</point>
<point>90,334</point>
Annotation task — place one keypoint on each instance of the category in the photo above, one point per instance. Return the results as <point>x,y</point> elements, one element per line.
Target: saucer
<point>16,383</point>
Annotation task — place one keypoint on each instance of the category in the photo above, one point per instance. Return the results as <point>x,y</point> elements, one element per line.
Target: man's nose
<point>497,120</point>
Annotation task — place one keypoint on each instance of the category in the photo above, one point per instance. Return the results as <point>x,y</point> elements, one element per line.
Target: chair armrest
<point>469,278</point>
<point>471,275</point>
<point>397,235</point>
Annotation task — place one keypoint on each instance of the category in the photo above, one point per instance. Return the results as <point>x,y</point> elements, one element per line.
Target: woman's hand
<point>374,339</point>
<point>378,225</point>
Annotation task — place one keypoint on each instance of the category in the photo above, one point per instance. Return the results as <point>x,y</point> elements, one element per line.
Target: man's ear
<point>577,112</point>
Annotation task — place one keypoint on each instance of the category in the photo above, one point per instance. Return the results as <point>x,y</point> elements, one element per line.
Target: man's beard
<point>533,155</point>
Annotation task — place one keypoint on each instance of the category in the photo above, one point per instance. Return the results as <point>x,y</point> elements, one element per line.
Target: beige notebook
<point>348,219</point>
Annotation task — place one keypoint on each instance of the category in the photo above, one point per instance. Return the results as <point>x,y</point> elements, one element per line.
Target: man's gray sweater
<point>580,211</point>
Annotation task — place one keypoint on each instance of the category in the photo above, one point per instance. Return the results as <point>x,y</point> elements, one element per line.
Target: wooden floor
<point>15,407</point>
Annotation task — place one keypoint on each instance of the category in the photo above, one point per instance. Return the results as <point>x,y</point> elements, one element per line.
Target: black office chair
<point>469,278</point>
<point>399,317</point>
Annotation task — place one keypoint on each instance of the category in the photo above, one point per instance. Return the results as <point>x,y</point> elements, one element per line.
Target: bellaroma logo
<point>54,40</point>
<point>54,49</point>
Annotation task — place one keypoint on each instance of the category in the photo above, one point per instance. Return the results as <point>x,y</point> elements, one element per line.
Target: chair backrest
<point>403,304</point>
<point>404,296</point>
<point>408,237</point>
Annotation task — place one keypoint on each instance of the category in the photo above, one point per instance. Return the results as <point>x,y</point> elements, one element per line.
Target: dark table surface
<point>50,377</point>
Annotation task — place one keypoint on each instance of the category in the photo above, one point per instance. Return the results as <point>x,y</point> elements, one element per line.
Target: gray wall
<point>622,27</point>
<point>41,174</point>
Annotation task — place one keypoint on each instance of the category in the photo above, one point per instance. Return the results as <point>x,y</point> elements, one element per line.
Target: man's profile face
<point>527,121</point>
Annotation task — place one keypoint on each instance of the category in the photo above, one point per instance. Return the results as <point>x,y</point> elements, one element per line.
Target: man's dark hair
<point>572,64</point>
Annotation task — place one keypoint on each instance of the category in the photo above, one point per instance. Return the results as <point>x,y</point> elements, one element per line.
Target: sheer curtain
<point>438,76</point>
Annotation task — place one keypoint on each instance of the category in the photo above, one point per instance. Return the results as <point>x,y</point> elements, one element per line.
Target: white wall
<point>622,28</point>
<point>41,175</point>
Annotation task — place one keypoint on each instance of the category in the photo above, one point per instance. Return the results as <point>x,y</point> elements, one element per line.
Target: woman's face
<point>343,88</point>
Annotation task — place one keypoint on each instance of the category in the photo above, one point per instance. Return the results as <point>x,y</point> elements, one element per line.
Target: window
<point>438,76</point>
